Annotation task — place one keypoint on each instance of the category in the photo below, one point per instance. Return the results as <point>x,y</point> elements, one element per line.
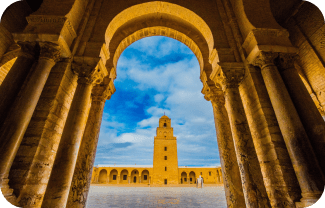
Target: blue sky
<point>157,75</point>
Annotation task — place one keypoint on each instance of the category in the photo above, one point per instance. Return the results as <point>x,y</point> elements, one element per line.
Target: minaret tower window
<point>165,125</point>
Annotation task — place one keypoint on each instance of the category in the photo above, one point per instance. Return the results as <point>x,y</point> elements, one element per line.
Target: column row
<point>72,111</point>
<point>259,127</point>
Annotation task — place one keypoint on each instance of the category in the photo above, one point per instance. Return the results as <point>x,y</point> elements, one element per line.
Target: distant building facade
<point>165,169</point>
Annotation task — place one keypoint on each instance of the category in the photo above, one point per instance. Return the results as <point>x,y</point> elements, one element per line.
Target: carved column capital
<point>87,74</point>
<point>101,93</point>
<point>286,60</point>
<point>27,49</point>
<point>231,78</point>
<point>50,51</point>
<point>213,94</point>
<point>265,59</point>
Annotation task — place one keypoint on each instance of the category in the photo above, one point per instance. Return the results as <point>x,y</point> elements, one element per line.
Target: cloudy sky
<point>157,75</point>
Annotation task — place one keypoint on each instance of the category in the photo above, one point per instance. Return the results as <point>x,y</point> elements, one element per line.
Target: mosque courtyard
<point>112,196</point>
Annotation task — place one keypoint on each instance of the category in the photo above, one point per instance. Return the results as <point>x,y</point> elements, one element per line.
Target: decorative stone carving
<point>88,74</point>
<point>102,93</point>
<point>37,19</point>
<point>50,50</point>
<point>27,49</point>
<point>229,74</point>
<point>232,77</point>
<point>286,60</point>
<point>265,59</point>
<point>213,94</point>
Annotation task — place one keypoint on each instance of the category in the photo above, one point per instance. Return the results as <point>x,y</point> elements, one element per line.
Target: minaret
<point>165,163</point>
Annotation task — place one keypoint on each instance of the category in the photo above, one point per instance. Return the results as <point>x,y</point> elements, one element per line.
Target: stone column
<point>17,75</point>
<point>38,174</point>
<point>57,191</point>
<point>118,179</point>
<point>250,171</point>
<point>15,125</point>
<point>82,174</point>
<point>308,172</point>
<point>232,183</point>
<point>129,179</point>
<point>310,117</point>
<point>139,178</point>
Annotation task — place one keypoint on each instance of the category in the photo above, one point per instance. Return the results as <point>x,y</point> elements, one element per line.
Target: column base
<point>308,199</point>
<point>8,192</point>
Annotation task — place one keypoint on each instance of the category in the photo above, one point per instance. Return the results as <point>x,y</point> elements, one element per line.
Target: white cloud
<point>159,97</point>
<point>178,95</point>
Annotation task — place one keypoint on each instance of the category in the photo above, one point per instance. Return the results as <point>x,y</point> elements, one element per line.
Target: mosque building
<point>165,169</point>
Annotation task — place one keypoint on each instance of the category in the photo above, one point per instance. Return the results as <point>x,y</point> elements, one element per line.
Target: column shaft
<point>278,174</point>
<point>301,153</point>
<point>17,75</point>
<point>305,164</point>
<point>309,115</point>
<point>18,118</point>
<point>250,171</point>
<point>37,177</point>
<point>82,174</point>
<point>60,181</point>
<point>232,183</point>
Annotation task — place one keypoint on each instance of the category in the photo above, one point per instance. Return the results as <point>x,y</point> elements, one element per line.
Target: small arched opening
<point>124,176</point>
<point>135,176</point>
<point>145,176</point>
<point>183,177</point>
<point>192,177</point>
<point>102,176</point>
<point>113,176</point>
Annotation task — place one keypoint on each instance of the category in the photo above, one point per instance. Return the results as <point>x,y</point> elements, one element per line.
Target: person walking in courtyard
<point>199,182</point>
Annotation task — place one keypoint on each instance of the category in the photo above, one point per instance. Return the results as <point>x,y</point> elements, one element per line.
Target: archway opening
<point>102,176</point>
<point>145,176</point>
<point>135,176</point>
<point>113,176</point>
<point>183,177</point>
<point>124,176</point>
<point>192,177</point>
<point>157,75</point>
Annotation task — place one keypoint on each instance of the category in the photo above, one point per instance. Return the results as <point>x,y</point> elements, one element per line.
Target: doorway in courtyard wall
<point>156,76</point>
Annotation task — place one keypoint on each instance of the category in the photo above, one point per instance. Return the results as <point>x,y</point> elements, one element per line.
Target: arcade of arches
<point>142,175</point>
<point>262,67</point>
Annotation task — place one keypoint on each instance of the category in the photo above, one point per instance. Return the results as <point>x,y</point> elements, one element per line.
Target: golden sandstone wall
<point>261,66</point>
<point>125,175</point>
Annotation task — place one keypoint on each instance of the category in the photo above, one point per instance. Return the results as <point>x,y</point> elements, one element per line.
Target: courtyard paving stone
<point>109,196</point>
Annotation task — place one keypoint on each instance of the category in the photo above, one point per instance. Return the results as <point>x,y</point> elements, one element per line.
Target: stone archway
<point>183,178</point>
<point>247,71</point>
<point>124,176</point>
<point>145,177</point>
<point>135,176</point>
<point>192,177</point>
<point>102,178</point>
<point>113,176</point>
